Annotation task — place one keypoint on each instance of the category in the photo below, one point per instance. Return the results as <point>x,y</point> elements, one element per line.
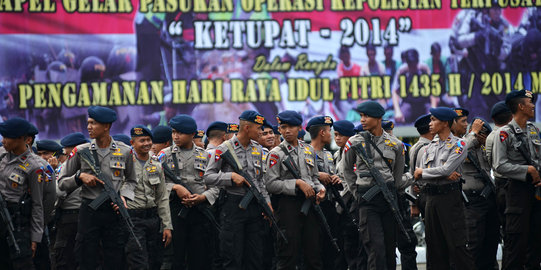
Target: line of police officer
<point>190,208</point>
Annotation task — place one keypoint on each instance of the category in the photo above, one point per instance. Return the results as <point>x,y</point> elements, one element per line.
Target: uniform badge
<point>255,151</point>
<point>234,127</point>
<point>327,120</point>
<point>14,185</point>
<point>160,156</point>
<point>117,152</point>
<point>117,173</point>
<point>259,119</point>
<point>458,150</point>
<point>273,160</point>
<point>200,133</point>
<point>278,120</point>
<point>503,135</point>
<point>217,155</point>
<point>307,150</point>
<point>73,152</point>
<point>347,146</point>
<point>138,131</point>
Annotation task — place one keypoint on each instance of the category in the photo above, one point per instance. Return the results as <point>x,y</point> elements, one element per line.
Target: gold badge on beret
<point>138,131</point>
<point>259,119</point>
<point>328,120</point>
<point>459,112</point>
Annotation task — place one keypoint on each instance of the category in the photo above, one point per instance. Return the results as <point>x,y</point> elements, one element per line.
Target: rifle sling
<point>368,152</point>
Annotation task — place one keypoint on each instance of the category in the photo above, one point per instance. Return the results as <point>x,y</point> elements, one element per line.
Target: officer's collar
<point>24,156</point>
<point>235,141</point>
<point>516,127</point>
<point>437,138</point>
<point>176,148</point>
<point>94,146</point>
<point>290,147</point>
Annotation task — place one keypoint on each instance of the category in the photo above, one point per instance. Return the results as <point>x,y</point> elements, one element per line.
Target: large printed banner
<point>213,59</point>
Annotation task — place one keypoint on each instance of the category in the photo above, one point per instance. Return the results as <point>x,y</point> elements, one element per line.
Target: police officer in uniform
<point>416,152</point>
<point>376,220</point>
<point>241,237</point>
<point>302,232</point>
<point>481,213</point>
<point>149,209</point>
<point>161,138</point>
<point>445,223</point>
<point>351,246</point>
<point>21,186</point>
<point>216,133</point>
<point>522,239</point>
<point>319,128</point>
<point>198,138</point>
<point>501,115</point>
<point>67,212</point>
<point>102,227</point>
<point>191,235</point>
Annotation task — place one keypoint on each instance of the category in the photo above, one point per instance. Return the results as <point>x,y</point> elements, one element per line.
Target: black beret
<point>422,121</point>
<point>519,94</point>
<point>15,127</point>
<point>319,121</point>
<point>443,113</point>
<point>252,116</point>
<point>217,125</point>
<point>232,128</point>
<point>139,131</point>
<point>161,134</point>
<point>73,139</point>
<point>199,134</point>
<point>122,138</point>
<point>499,108</point>
<point>289,117</point>
<point>344,127</point>
<point>485,124</point>
<point>275,130</point>
<point>461,112</point>
<point>301,134</point>
<point>387,125</point>
<point>371,108</point>
<point>48,145</point>
<point>358,128</point>
<point>102,114</point>
<point>33,130</point>
<point>266,124</point>
<point>183,123</point>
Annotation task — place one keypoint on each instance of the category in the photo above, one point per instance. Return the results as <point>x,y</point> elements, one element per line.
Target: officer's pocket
<point>200,168</point>
<point>513,222</point>
<point>459,232</point>
<point>154,179</point>
<point>117,168</point>
<point>311,163</point>
<point>537,145</point>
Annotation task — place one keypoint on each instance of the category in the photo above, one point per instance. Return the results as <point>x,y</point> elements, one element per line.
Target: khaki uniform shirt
<point>250,158</point>
<point>70,199</point>
<point>279,180</point>
<point>357,174</point>
<point>472,178</point>
<point>441,158</point>
<point>191,167</point>
<point>21,174</point>
<point>489,145</point>
<point>506,158</point>
<point>116,161</point>
<point>150,191</point>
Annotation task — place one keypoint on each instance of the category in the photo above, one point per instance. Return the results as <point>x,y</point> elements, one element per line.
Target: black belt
<point>362,190</point>
<point>69,211</point>
<point>144,213</point>
<point>432,189</point>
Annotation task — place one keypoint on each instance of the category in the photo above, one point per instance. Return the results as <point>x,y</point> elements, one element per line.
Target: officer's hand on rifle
<point>418,173</point>
<point>415,211</point>
<point>325,178</point>
<point>265,216</point>
<point>115,207</point>
<point>335,180</point>
<point>305,188</point>
<point>34,247</point>
<point>166,237</point>
<point>89,179</point>
<point>535,175</point>
<point>454,176</point>
<point>238,180</point>
<point>320,195</point>
<point>181,191</point>
<point>194,200</point>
